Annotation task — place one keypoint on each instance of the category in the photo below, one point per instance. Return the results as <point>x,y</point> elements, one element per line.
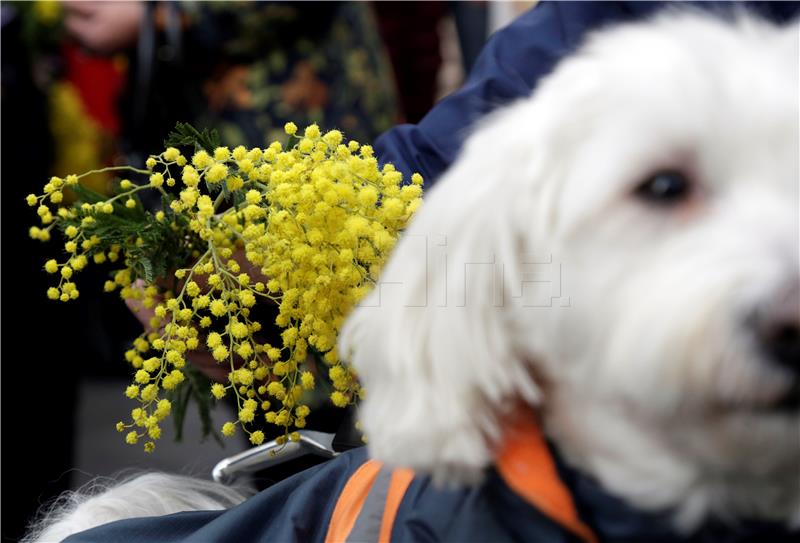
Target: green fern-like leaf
<point>185,134</point>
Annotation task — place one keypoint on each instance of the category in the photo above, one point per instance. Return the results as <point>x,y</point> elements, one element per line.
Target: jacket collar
<point>530,467</point>
<point>526,465</point>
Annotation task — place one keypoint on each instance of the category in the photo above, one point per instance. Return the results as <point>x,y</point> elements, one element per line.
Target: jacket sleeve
<point>509,67</point>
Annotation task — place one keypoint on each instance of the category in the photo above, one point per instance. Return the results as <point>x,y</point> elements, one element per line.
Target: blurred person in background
<point>242,68</point>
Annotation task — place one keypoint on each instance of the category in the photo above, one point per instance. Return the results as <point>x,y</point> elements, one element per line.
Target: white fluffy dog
<point>621,251</point>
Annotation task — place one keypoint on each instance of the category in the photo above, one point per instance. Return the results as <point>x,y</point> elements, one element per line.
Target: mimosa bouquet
<point>305,226</point>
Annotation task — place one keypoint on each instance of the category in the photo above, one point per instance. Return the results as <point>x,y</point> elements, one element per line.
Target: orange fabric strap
<point>526,465</point>
<point>350,510</point>
<point>524,462</point>
<point>401,478</point>
<point>351,501</point>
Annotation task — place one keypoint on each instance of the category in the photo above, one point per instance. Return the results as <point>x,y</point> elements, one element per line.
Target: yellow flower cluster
<point>306,227</point>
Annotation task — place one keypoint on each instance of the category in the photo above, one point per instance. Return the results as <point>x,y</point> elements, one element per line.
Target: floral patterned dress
<point>246,68</point>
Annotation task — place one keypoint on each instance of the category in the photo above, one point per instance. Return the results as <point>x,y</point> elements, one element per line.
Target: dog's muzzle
<point>777,328</point>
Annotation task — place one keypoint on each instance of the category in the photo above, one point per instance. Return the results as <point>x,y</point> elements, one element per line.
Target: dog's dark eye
<point>665,188</point>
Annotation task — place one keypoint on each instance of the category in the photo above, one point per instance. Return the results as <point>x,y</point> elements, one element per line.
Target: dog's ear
<point>434,342</point>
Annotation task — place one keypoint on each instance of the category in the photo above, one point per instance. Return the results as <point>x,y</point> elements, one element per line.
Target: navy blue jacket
<point>299,509</point>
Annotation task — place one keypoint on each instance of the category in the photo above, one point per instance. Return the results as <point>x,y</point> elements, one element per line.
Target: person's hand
<point>104,27</point>
<point>200,359</point>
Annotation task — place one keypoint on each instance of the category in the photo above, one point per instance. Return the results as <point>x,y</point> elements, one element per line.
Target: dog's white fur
<point>647,375</point>
<point>649,379</point>
<point>107,500</point>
